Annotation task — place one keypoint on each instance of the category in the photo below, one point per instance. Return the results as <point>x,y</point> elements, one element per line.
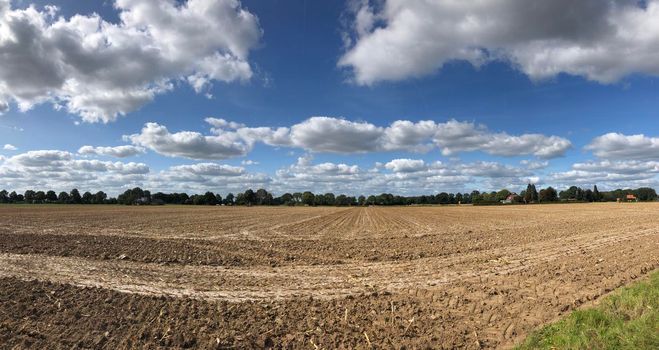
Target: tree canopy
<point>139,196</point>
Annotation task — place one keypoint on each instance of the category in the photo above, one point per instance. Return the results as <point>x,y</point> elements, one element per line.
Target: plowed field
<point>377,277</point>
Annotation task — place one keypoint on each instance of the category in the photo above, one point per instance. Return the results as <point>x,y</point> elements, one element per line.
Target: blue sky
<point>559,106</point>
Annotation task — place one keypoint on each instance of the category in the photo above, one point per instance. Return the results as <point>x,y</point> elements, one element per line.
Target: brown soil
<point>304,277</point>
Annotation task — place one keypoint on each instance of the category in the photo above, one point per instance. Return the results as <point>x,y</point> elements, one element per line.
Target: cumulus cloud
<point>619,146</point>
<point>117,151</point>
<point>405,165</point>
<point>222,123</point>
<point>409,136</point>
<point>609,174</point>
<point>326,134</point>
<point>304,175</point>
<point>100,70</point>
<point>202,177</point>
<point>393,40</point>
<point>210,169</point>
<point>336,135</point>
<point>624,161</point>
<point>401,176</point>
<point>61,170</point>
<point>190,144</point>
<point>409,174</point>
<point>454,136</point>
<point>618,167</point>
<point>55,160</point>
<point>9,147</point>
<point>534,165</point>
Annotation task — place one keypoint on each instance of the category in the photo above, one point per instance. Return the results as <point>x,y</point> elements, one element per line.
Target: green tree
<point>547,195</point>
<point>51,196</point>
<point>570,193</point>
<point>442,198</point>
<point>645,194</point>
<point>287,199</point>
<point>29,196</point>
<point>587,195</point>
<point>99,197</point>
<point>87,198</point>
<point>531,194</point>
<point>39,197</point>
<point>209,198</point>
<point>75,197</point>
<point>63,197</point>
<point>308,198</point>
<point>476,196</point>
<point>330,199</point>
<point>249,197</point>
<point>596,194</point>
<point>134,196</point>
<point>263,197</point>
<point>229,199</point>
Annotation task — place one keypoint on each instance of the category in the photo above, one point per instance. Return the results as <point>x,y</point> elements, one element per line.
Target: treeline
<point>41,197</point>
<point>572,194</point>
<point>138,196</point>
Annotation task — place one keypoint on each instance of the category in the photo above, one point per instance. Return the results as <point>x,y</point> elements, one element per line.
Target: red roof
<point>631,196</point>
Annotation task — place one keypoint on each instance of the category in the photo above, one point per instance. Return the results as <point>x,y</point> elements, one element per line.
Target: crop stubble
<point>474,277</point>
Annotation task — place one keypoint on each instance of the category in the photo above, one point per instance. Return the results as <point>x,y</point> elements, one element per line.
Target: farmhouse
<point>631,198</point>
<point>510,199</point>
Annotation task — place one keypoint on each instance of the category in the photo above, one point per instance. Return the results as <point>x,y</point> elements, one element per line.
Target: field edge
<point>628,317</point>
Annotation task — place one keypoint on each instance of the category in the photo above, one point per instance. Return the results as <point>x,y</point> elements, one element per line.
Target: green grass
<point>627,319</point>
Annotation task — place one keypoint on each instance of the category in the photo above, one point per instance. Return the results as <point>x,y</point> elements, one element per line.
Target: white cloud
<point>534,165</point>
<point>305,171</point>
<point>405,165</point>
<point>326,134</point>
<point>400,176</point>
<point>202,177</point>
<point>189,144</point>
<point>117,151</point>
<point>619,146</point>
<point>249,162</point>
<point>336,135</point>
<point>9,147</point>
<point>624,161</point>
<point>618,167</point>
<point>603,41</point>
<point>454,136</point>
<point>269,136</point>
<point>609,174</point>
<point>61,171</point>
<point>100,70</point>
<point>222,123</point>
<point>211,169</point>
<point>409,136</point>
